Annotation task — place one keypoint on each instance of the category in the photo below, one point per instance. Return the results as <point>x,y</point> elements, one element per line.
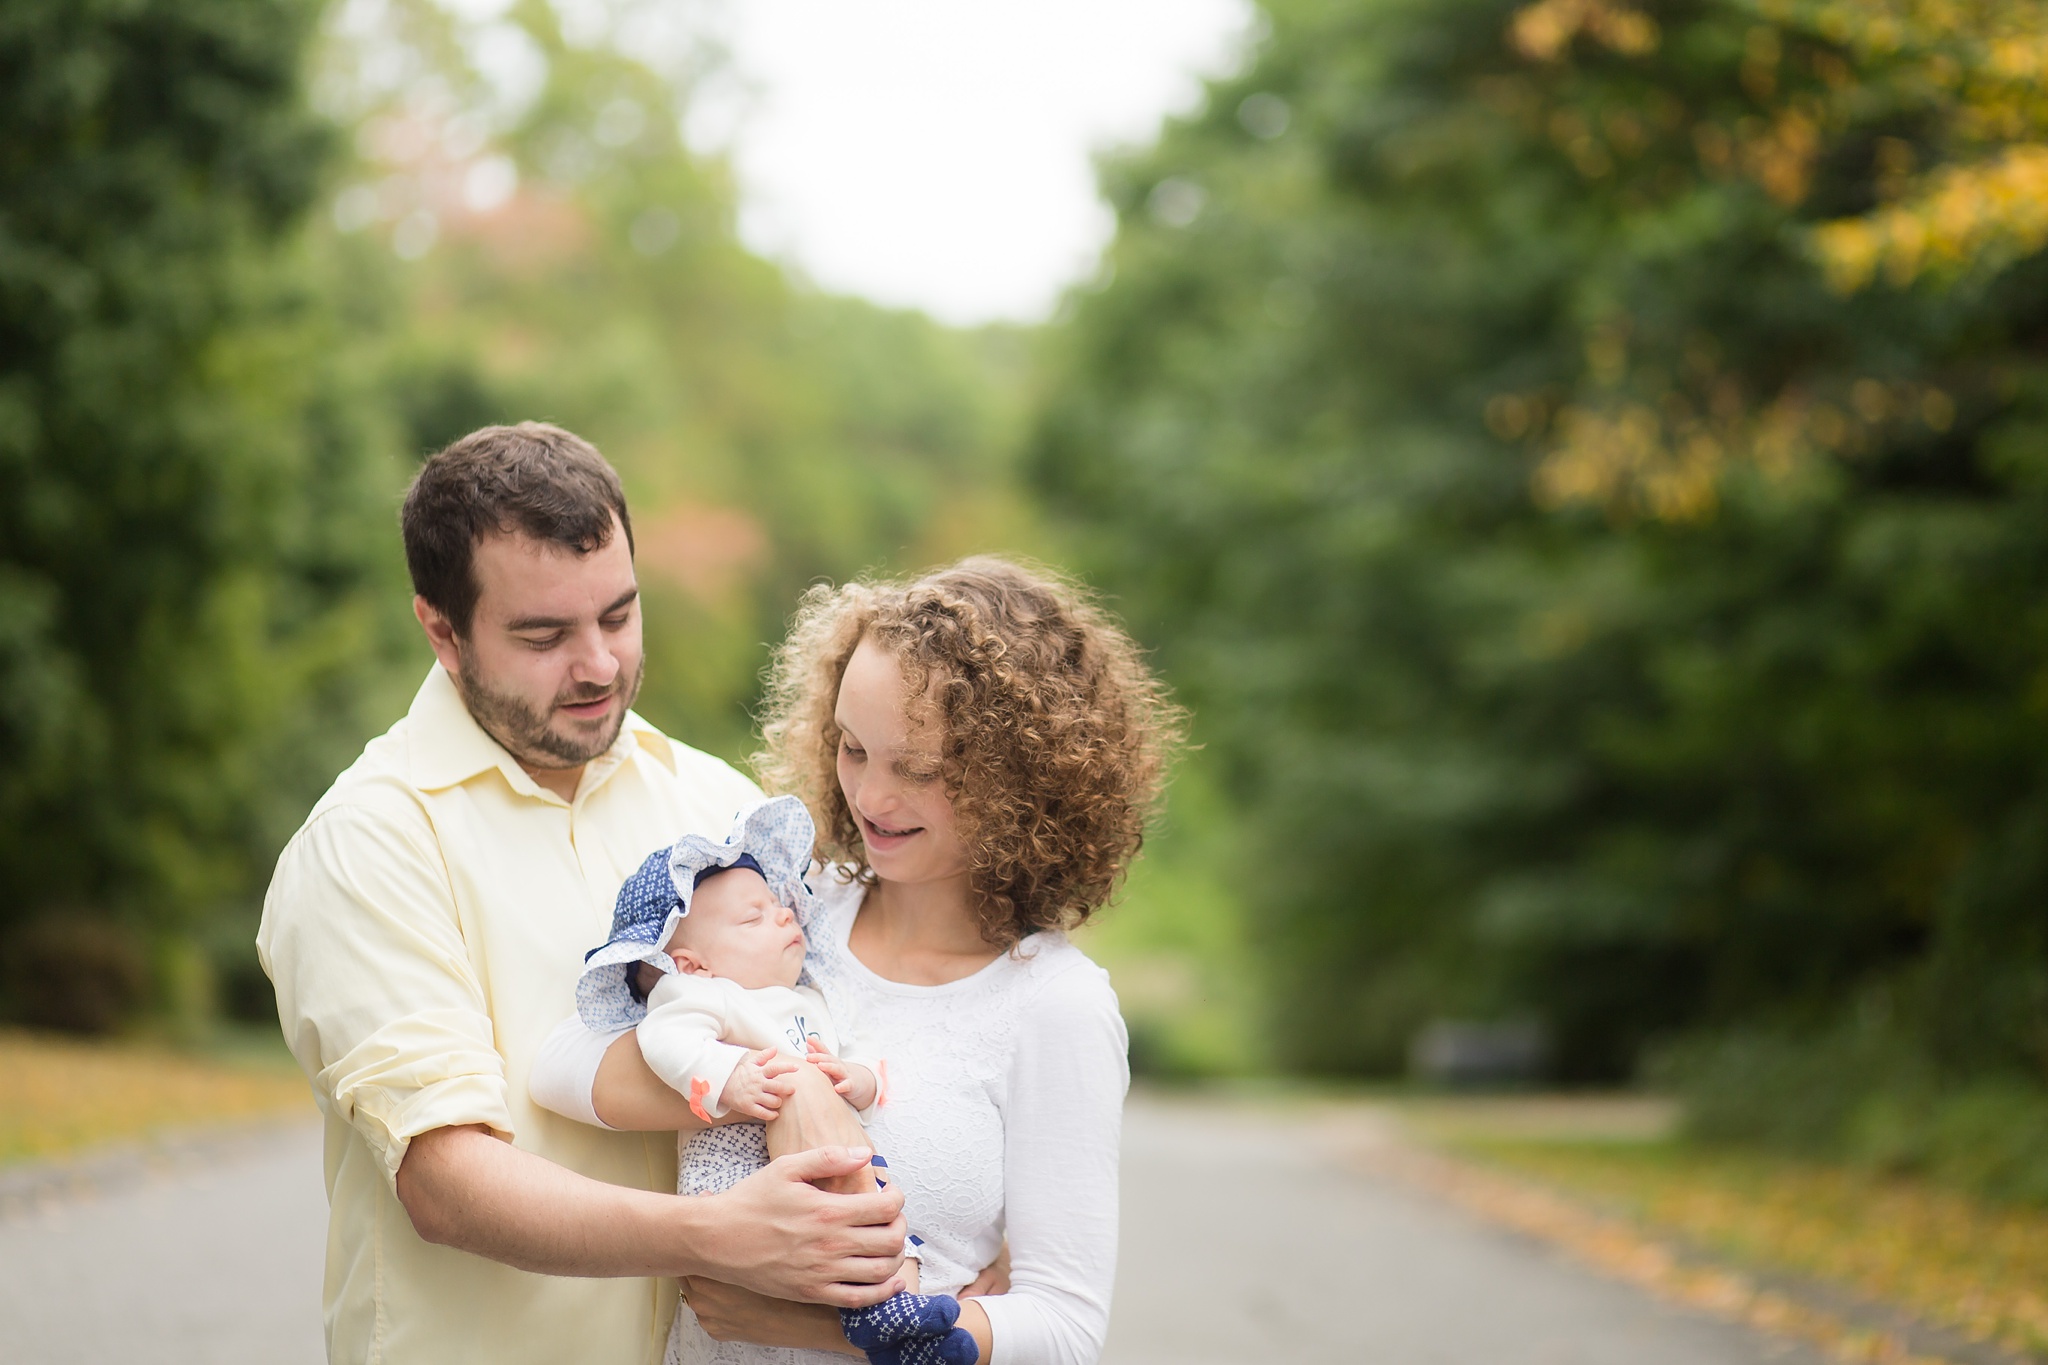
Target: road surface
<point>1247,1239</point>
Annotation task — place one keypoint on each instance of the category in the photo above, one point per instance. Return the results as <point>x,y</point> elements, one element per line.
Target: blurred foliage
<point>571,258</point>
<point>195,528</point>
<point>1600,539</point>
<point>1175,944</point>
<point>259,257</point>
<point>60,1095</point>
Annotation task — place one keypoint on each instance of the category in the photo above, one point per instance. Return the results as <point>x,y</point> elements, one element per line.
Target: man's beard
<point>525,732</point>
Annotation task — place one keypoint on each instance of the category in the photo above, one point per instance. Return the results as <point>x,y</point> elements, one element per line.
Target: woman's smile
<point>883,836</point>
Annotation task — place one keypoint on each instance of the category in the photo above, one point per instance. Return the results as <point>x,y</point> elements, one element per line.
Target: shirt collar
<point>447,747</point>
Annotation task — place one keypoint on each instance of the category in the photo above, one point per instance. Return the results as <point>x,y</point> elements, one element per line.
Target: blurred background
<point>1584,463</point>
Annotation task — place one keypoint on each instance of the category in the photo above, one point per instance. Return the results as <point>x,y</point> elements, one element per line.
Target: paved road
<point>214,1261</point>
<point>1246,1241</point>
<point>1249,1240</point>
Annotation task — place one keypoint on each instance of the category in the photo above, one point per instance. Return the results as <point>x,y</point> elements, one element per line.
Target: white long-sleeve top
<point>1005,1106</point>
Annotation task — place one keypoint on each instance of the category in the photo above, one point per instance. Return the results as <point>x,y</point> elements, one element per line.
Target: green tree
<point>187,532</point>
<point>1607,598</point>
<point>768,435</point>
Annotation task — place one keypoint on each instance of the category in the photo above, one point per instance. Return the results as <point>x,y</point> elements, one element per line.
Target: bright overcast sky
<point>936,153</point>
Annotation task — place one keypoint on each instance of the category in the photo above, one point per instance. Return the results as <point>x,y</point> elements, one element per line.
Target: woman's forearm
<point>627,1094</point>
<point>977,1325</point>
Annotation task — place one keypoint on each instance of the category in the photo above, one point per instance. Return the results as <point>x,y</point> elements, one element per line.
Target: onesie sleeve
<point>686,1018</point>
<point>1061,1126</point>
<point>564,1076</point>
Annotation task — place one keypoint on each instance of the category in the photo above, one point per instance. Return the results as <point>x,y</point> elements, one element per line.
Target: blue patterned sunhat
<point>776,834</point>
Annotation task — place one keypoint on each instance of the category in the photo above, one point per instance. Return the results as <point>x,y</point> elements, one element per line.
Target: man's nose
<point>594,661</point>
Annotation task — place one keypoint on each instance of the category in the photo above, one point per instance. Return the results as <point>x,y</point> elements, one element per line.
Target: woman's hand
<point>994,1278</point>
<point>727,1312</point>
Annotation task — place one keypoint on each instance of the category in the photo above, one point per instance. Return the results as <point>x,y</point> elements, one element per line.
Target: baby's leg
<point>817,1116</point>
<point>907,1328</point>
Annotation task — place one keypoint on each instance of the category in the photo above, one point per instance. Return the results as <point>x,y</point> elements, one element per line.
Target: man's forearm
<point>464,1188</point>
<point>775,1232</point>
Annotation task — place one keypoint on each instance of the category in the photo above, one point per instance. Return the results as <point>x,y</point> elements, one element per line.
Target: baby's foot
<point>955,1347</point>
<point>899,1318</point>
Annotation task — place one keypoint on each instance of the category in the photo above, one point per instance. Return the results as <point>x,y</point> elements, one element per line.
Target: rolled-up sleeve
<point>375,991</point>
<point>1061,1127</point>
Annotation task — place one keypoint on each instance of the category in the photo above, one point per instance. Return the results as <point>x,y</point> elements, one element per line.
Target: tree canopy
<point>259,257</point>
<point>1585,463</point>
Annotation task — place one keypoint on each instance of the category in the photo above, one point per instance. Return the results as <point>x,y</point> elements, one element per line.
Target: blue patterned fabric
<point>899,1318</point>
<point>776,834</point>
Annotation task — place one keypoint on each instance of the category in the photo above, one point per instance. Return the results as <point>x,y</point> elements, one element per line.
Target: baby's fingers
<point>773,1063</point>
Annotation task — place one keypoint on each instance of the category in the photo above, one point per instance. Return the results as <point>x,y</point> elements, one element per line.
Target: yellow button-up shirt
<point>425,931</point>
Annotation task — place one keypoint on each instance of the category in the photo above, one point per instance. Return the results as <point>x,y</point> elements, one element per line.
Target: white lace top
<point>1003,1114</point>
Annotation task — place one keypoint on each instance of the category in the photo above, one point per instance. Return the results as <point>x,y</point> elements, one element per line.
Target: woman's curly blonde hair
<point>1054,734</point>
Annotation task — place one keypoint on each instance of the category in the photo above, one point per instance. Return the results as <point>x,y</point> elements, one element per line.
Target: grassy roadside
<point>1975,1268</point>
<point>60,1095</point>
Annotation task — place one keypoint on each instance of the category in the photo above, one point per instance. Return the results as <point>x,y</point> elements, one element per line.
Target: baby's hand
<point>759,1084</point>
<point>850,1079</point>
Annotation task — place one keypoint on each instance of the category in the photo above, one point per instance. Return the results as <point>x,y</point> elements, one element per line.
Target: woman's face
<point>889,771</point>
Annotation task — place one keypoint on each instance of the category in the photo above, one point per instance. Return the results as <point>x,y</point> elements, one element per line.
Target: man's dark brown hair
<point>534,479</point>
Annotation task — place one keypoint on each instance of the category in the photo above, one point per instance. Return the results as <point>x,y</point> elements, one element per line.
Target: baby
<point>707,953</point>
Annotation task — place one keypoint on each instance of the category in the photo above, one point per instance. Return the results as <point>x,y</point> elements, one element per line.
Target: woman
<point>979,749</point>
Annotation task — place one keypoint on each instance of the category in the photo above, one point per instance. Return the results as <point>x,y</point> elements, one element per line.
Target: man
<point>425,930</point>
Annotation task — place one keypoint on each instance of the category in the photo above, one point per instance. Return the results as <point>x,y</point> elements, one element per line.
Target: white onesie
<point>698,1028</point>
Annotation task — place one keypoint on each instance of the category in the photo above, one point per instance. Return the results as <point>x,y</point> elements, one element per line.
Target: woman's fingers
<point>994,1278</point>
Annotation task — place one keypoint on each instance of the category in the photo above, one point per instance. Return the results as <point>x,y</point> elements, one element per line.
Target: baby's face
<point>737,930</point>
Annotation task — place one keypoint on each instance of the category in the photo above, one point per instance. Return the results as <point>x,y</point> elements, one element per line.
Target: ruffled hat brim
<point>777,833</point>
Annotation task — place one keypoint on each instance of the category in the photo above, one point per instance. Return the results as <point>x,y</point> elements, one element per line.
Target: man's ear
<point>440,634</point>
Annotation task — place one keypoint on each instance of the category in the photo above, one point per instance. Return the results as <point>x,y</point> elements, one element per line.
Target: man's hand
<point>759,1084</point>
<point>783,1237</point>
<point>849,1079</point>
